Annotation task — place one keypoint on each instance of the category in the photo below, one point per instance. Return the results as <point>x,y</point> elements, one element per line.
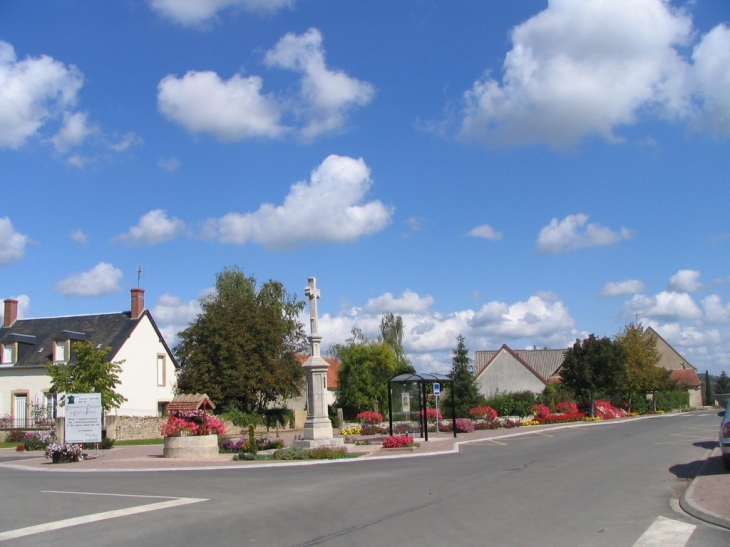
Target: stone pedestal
<point>317,427</point>
<point>193,447</point>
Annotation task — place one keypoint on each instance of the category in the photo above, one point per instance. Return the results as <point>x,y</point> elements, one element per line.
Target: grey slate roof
<point>545,362</point>
<point>35,337</point>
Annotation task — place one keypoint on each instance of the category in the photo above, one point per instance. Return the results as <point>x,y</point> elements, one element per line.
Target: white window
<point>60,352</point>
<point>160,370</point>
<point>8,354</point>
<point>51,404</point>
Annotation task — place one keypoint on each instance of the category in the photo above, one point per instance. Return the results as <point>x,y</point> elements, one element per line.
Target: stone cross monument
<point>317,427</point>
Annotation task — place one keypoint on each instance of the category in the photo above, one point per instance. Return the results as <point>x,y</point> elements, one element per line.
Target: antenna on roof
<point>140,273</point>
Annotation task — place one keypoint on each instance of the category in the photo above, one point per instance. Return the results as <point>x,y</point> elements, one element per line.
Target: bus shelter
<point>421,379</point>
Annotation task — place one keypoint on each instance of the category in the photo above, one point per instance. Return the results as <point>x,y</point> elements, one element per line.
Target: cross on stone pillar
<point>313,293</point>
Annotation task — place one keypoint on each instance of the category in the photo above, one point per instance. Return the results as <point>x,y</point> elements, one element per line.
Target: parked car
<point>724,436</point>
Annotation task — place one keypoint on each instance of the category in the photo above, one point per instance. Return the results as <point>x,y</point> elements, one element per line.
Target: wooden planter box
<point>192,447</point>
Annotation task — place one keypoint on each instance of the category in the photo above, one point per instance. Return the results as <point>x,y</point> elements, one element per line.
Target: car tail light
<point>726,430</point>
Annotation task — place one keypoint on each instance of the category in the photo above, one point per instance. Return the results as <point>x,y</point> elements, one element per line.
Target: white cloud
<point>230,110</point>
<point>328,208</point>
<point>685,281</point>
<point>429,336</point>
<point>169,164</point>
<point>621,288</point>
<point>711,71</point>
<point>195,12</point>
<point>12,243</point>
<point>688,336</point>
<point>715,311</point>
<point>152,228</point>
<point>485,231</point>
<point>583,68</point>
<point>172,310</point>
<point>326,95</point>
<point>101,279</point>
<point>32,92</point>
<point>572,233</point>
<point>74,130</point>
<point>129,140</point>
<point>666,305</point>
<point>77,160</point>
<point>409,302</point>
<point>79,237</point>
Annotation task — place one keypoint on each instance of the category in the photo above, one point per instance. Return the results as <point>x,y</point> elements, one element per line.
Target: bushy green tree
<point>642,373</point>
<point>366,367</point>
<point>709,393</point>
<point>722,383</point>
<point>89,372</point>
<point>464,390</point>
<point>241,349</point>
<point>593,366</point>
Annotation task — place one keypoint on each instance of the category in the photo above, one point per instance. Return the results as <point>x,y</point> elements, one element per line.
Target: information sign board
<point>83,418</point>
<point>406,402</point>
<point>436,388</point>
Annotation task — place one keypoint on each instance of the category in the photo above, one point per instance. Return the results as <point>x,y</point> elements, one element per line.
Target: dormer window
<point>60,351</point>
<point>9,353</point>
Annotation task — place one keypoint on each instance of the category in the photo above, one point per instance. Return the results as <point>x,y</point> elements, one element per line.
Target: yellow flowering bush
<point>594,419</point>
<point>357,430</point>
<point>530,422</point>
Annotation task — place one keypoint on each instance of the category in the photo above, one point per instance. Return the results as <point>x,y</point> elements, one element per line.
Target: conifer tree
<point>463,389</point>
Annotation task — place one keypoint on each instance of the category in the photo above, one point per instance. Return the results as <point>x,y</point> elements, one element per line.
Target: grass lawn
<point>139,442</point>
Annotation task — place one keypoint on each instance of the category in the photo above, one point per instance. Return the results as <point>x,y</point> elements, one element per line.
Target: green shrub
<point>253,447</point>
<point>512,404</point>
<point>292,453</point>
<point>15,436</point>
<point>327,453</point>
<point>672,400</point>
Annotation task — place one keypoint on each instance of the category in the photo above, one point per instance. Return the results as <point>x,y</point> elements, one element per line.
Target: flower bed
<point>397,441</point>
<point>370,417</point>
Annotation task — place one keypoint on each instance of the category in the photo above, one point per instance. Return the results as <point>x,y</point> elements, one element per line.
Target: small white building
<point>511,371</point>
<point>27,346</point>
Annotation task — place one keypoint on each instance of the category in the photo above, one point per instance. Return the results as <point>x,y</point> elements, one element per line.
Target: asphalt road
<point>604,485</point>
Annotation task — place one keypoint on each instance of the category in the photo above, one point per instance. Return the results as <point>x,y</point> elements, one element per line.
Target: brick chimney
<point>11,312</point>
<point>137,303</point>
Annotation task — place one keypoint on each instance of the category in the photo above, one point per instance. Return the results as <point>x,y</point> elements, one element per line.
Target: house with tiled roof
<point>681,371</point>
<point>147,379</point>
<point>512,371</point>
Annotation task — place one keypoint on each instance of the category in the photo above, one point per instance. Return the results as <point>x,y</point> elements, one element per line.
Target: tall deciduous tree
<point>464,390</point>
<point>643,375</point>
<point>366,367</point>
<point>89,372</point>
<point>593,366</point>
<point>241,349</point>
<point>391,331</point>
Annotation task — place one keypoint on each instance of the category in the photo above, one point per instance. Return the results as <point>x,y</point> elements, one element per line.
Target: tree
<point>722,383</point>
<point>464,390</point>
<point>593,366</point>
<point>241,349</point>
<point>366,367</point>
<point>642,374</point>
<point>709,395</point>
<point>391,330</point>
<point>91,372</point>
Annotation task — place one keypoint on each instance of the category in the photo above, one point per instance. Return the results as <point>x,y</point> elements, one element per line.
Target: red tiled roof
<point>190,402</point>
<point>331,372</point>
<point>686,377</point>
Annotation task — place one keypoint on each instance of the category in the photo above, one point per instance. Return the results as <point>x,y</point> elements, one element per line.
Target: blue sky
<point>517,172</point>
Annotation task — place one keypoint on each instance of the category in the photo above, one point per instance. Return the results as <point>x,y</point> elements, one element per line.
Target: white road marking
<point>666,532</point>
<point>96,517</point>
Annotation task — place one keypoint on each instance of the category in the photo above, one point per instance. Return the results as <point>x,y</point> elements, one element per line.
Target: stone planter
<point>192,447</point>
<point>57,457</point>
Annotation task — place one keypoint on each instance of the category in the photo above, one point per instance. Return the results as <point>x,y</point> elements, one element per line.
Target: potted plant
<point>63,453</point>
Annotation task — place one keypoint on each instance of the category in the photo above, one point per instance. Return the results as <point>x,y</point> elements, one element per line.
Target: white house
<point>511,371</point>
<point>148,376</point>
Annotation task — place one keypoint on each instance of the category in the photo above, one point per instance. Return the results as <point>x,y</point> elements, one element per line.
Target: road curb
<point>692,508</point>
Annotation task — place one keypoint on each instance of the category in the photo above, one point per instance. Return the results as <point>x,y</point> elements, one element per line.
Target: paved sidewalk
<point>707,498</point>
